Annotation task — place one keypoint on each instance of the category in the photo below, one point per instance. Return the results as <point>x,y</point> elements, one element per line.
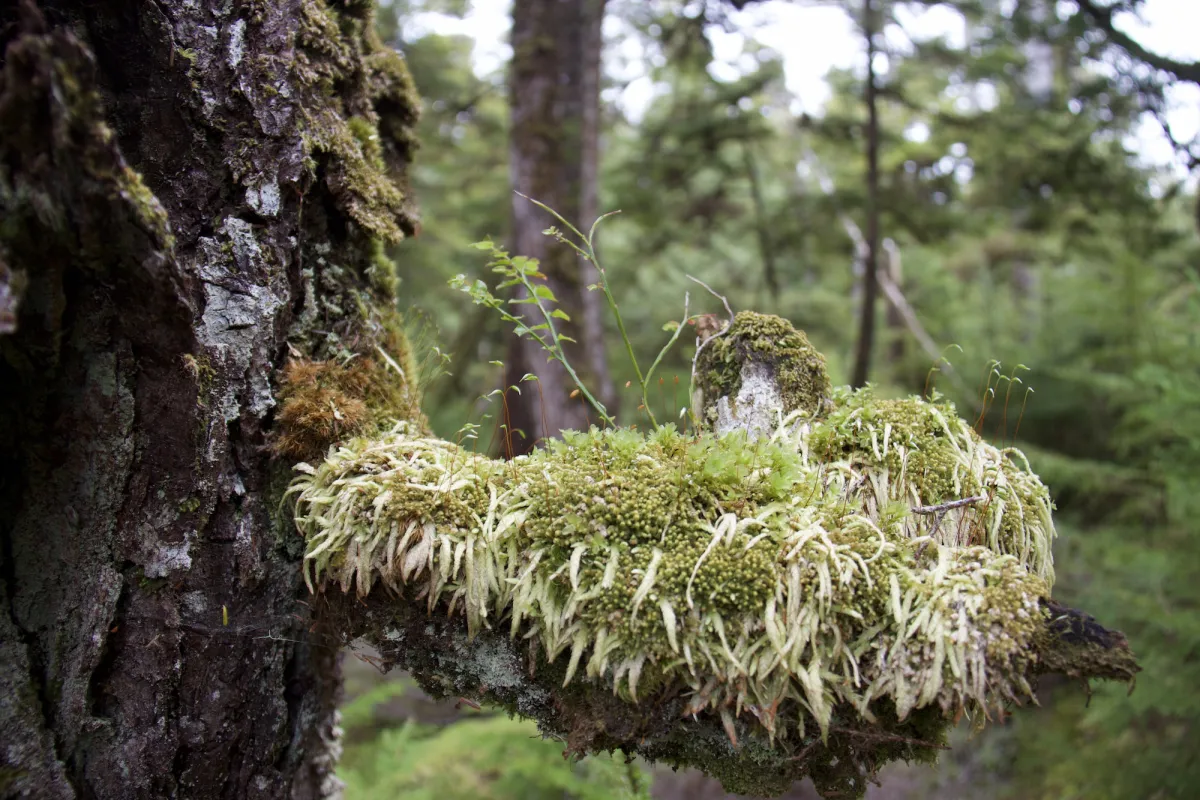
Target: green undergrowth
<point>752,575</point>
<point>492,758</point>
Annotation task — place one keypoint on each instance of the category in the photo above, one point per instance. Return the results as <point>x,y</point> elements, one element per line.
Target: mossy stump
<point>754,369</point>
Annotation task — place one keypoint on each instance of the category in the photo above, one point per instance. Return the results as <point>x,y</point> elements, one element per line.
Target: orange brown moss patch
<point>322,402</point>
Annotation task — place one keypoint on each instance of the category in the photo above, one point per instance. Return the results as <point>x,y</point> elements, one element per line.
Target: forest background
<point>1040,231</point>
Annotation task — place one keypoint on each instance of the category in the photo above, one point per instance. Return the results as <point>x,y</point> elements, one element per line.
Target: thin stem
<point>966,501</point>
<point>674,338</point>
<point>612,304</point>
<point>560,354</point>
<point>590,255</point>
<point>700,346</point>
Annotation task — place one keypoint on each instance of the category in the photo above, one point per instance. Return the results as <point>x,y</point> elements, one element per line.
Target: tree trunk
<point>866,329</point>
<point>554,92</point>
<point>188,192</point>
<point>762,227</point>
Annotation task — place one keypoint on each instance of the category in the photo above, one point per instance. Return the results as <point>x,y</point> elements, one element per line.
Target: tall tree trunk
<point>866,327</point>
<point>554,92</point>
<point>762,227</point>
<point>188,192</point>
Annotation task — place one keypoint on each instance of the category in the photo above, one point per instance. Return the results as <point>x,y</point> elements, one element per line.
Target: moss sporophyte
<point>827,566</point>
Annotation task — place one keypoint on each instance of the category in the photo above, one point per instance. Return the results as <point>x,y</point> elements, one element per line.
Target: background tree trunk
<point>187,192</point>
<point>554,90</point>
<point>866,325</point>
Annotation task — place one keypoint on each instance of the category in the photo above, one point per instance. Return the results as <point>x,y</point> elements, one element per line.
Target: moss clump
<point>363,171</point>
<point>817,598</point>
<point>320,404</point>
<point>816,601</point>
<point>771,341</point>
<point>150,213</point>
<point>742,573</point>
<point>922,454</point>
<point>381,271</point>
<point>352,394</point>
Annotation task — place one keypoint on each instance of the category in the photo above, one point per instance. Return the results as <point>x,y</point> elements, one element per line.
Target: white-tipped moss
<point>750,572</point>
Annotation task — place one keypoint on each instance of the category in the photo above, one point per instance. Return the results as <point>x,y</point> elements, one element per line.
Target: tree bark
<point>866,326</point>
<point>188,192</point>
<point>554,90</point>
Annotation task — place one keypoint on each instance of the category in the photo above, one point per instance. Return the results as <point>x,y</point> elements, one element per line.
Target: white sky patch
<point>812,39</point>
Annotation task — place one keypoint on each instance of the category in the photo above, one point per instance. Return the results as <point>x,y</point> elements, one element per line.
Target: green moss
<point>357,177</point>
<point>798,369</point>
<point>920,453</point>
<point>381,271</point>
<point>762,608</point>
<point>734,568</point>
<point>340,54</point>
<point>395,97</point>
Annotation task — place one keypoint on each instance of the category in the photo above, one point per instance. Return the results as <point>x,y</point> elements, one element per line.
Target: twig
<point>805,751</point>
<point>943,507</point>
<point>720,297</point>
<point>940,510</point>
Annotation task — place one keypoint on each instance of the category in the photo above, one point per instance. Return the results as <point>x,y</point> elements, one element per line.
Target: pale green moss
<point>381,271</point>
<point>149,210</point>
<point>923,454</point>
<point>749,574</point>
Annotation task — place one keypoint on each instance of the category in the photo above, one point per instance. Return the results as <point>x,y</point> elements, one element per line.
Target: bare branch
<point>943,507</point>
<point>1102,18</point>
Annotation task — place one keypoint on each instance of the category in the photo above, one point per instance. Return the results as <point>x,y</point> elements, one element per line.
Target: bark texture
<point>187,192</point>
<point>555,98</point>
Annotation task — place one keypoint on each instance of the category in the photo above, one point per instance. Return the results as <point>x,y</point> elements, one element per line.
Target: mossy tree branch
<point>816,598</point>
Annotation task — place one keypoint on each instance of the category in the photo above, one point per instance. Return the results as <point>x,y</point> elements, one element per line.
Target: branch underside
<point>587,717</point>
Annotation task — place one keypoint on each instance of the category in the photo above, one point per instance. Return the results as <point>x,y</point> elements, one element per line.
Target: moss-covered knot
<point>756,370</point>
